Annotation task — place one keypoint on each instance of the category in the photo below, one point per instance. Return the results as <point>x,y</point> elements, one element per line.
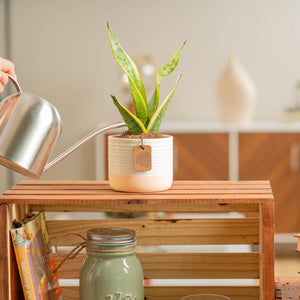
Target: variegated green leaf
<point>156,119</point>
<point>134,77</point>
<point>166,70</point>
<point>135,126</point>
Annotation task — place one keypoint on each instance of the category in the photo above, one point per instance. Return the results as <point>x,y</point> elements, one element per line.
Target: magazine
<point>34,258</point>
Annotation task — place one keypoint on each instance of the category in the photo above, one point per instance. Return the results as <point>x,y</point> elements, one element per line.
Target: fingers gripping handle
<point>15,82</point>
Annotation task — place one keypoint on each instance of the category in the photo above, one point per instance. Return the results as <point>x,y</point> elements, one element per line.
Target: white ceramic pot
<point>121,173</point>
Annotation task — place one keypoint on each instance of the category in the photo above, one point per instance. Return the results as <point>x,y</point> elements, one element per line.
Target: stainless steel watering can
<point>29,128</point>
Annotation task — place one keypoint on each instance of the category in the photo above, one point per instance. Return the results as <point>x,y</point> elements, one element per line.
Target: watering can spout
<point>29,129</point>
<point>78,144</point>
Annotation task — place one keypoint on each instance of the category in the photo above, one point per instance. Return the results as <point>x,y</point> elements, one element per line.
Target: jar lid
<point>111,236</point>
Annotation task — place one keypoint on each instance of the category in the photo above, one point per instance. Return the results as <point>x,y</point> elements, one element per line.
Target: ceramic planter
<point>122,172</point>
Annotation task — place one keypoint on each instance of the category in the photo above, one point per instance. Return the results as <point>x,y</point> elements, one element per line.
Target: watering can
<point>29,129</point>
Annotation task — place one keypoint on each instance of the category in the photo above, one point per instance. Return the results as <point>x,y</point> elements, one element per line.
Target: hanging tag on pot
<point>142,159</point>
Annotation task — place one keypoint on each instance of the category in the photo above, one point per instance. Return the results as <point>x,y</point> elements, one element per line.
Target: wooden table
<point>255,227</point>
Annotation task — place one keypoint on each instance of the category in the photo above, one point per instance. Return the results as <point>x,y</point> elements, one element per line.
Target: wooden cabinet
<point>261,156</point>
<point>200,156</point>
<point>275,157</point>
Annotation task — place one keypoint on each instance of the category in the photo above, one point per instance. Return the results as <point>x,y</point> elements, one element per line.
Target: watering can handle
<point>15,82</point>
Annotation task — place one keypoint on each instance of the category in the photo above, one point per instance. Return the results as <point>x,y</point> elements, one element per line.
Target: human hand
<point>6,67</point>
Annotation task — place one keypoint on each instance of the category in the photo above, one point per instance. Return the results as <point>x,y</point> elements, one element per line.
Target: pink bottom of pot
<point>126,183</point>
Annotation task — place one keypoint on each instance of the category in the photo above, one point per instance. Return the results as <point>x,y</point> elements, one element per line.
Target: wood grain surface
<point>201,156</point>
<point>265,156</point>
<point>193,198</point>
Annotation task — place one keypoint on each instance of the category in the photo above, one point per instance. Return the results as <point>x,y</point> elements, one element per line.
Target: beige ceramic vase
<point>236,93</point>
<point>122,173</point>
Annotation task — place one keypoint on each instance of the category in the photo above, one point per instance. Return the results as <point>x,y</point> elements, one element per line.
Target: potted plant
<point>141,160</point>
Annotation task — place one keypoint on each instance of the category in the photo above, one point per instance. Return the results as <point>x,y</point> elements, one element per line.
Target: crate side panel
<point>139,207</point>
<point>168,231</point>
<point>175,293</point>
<point>182,265</point>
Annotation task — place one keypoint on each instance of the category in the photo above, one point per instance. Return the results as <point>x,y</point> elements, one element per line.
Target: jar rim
<point>111,236</point>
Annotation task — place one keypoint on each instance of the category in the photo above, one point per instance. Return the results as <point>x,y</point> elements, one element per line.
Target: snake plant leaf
<point>135,81</point>
<point>163,72</point>
<point>135,126</point>
<point>156,119</point>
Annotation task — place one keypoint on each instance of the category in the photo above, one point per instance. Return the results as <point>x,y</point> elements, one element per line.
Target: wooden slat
<point>187,208</point>
<point>70,293</point>
<point>176,185</point>
<point>16,290</point>
<point>168,231</point>
<point>200,265</point>
<point>10,284</point>
<point>68,191</point>
<point>182,184</point>
<point>4,263</point>
<point>182,265</point>
<point>103,187</point>
<point>137,199</point>
<point>234,192</point>
<point>267,252</point>
<point>175,293</point>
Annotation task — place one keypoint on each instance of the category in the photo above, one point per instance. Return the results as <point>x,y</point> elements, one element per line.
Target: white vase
<point>121,173</point>
<point>236,93</point>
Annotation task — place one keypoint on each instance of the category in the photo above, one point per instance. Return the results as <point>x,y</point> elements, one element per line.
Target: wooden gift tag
<point>142,159</point>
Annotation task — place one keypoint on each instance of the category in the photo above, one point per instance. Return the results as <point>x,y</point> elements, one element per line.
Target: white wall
<point>61,51</point>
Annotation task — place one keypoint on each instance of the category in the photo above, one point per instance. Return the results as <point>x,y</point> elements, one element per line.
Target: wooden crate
<point>215,213</point>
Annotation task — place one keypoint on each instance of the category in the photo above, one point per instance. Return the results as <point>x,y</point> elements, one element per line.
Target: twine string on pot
<point>142,144</point>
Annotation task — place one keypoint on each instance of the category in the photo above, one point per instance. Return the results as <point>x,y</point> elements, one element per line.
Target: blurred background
<point>62,53</point>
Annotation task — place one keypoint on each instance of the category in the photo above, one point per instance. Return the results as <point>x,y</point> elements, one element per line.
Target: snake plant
<point>149,114</point>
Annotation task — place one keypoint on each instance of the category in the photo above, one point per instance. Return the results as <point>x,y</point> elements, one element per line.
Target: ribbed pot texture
<point>121,173</point>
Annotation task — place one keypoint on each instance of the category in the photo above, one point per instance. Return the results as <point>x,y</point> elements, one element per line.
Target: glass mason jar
<point>111,270</point>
